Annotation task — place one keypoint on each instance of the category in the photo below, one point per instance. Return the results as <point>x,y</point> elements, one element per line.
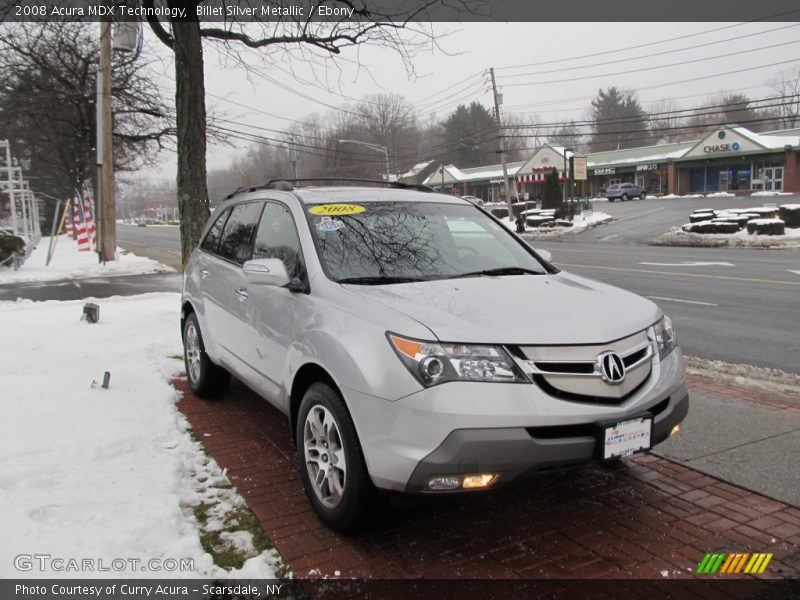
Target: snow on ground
<point>771,194</point>
<point>103,474</point>
<point>68,263</point>
<point>579,224</point>
<point>720,195</point>
<point>676,236</point>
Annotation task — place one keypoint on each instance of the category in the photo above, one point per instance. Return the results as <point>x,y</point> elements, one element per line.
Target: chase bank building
<point>728,159</point>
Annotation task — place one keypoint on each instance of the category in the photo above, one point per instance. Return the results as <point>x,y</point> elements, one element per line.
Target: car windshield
<point>376,243</point>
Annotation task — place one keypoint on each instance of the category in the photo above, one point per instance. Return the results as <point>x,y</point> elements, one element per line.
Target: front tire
<point>334,474</point>
<point>642,196</point>
<point>624,197</point>
<point>206,379</point>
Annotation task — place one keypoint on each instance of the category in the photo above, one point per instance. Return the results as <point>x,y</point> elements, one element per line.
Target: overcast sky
<point>456,75</point>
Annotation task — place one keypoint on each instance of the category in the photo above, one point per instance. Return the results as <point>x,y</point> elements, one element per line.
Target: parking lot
<point>647,518</point>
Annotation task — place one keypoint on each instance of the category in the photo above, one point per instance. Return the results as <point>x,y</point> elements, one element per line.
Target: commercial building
<point>728,159</point>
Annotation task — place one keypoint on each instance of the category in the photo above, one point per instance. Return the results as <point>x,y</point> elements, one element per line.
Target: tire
<point>611,199</point>
<point>624,197</point>
<point>206,379</point>
<point>341,496</point>
<point>643,195</point>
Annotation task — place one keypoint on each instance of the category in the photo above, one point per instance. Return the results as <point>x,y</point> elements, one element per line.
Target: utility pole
<point>105,156</point>
<point>497,102</point>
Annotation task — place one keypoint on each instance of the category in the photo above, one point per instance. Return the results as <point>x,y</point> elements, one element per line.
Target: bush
<point>766,227</point>
<point>539,221</point>
<point>551,196</point>
<point>11,245</point>
<point>740,220</point>
<point>518,208</point>
<point>712,227</point>
<point>697,217</point>
<point>500,213</point>
<point>790,214</point>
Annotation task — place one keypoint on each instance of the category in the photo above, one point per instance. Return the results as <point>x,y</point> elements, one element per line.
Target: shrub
<point>790,214</point>
<point>740,220</point>
<point>697,217</point>
<point>552,195</point>
<point>539,221</point>
<point>766,227</point>
<point>11,245</point>
<point>711,227</point>
<point>500,213</point>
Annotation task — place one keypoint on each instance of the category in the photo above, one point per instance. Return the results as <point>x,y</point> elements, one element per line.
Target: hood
<point>520,309</point>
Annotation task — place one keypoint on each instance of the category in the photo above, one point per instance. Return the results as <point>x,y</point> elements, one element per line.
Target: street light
<point>376,147</point>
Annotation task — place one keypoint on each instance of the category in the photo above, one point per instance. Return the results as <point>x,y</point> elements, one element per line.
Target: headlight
<point>665,336</point>
<point>433,363</point>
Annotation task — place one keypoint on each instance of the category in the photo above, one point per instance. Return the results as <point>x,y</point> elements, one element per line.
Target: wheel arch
<point>306,376</point>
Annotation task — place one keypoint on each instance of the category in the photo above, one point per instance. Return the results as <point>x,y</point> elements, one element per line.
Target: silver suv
<point>417,345</point>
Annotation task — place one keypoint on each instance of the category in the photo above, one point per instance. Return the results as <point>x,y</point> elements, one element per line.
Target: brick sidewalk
<point>650,518</point>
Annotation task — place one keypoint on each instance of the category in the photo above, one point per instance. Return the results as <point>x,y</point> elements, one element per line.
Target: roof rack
<point>286,184</point>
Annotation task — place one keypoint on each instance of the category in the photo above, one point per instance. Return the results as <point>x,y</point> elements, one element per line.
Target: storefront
<point>735,160</point>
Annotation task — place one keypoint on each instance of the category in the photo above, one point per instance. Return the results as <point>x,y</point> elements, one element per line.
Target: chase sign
<point>714,148</point>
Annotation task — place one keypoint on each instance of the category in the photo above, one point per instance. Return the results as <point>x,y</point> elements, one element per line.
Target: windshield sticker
<point>328,224</point>
<point>336,209</point>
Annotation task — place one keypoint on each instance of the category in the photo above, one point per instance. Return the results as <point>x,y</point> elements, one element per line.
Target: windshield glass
<point>393,242</point>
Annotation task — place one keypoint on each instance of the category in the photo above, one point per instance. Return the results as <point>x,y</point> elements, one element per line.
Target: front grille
<point>589,399</point>
<point>555,432</point>
<point>565,367</point>
<point>632,359</point>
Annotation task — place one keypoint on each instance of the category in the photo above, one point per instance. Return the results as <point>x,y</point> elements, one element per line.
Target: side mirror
<point>266,271</point>
<point>545,254</point>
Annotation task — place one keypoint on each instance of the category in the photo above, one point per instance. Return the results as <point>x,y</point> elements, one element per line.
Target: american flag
<point>80,225</point>
<point>88,214</point>
<point>68,222</point>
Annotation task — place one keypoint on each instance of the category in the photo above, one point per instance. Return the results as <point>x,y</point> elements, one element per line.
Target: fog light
<point>482,480</point>
<point>443,482</point>
<point>675,430</point>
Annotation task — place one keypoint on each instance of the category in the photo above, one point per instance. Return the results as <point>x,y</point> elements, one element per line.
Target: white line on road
<point>793,271</point>
<point>683,301</point>
<point>690,264</point>
<point>609,237</point>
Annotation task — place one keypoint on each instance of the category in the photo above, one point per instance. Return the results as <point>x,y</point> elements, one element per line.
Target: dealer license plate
<point>627,437</point>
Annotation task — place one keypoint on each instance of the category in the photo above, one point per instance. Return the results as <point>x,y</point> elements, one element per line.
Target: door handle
<point>242,293</point>
<point>204,273</point>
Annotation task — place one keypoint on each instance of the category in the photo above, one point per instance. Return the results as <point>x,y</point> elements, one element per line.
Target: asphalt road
<point>738,305</point>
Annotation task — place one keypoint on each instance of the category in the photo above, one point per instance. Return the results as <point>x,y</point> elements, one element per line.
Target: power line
<point>662,53</point>
<point>654,68</point>
<point>648,44</point>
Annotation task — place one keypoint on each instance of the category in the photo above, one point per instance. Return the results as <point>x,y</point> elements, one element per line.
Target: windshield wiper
<point>380,280</point>
<point>498,272</point>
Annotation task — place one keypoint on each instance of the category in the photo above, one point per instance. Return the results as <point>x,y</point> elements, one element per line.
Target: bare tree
<point>787,85</point>
<point>382,23</point>
<point>666,118</point>
<point>48,77</point>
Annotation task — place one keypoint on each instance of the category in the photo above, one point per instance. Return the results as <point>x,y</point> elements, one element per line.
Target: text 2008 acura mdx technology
<point>419,346</point>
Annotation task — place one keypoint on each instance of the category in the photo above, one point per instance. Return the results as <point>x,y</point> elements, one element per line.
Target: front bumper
<point>516,452</point>
<point>512,429</point>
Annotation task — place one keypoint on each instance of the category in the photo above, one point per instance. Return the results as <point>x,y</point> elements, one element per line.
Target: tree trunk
<point>190,117</point>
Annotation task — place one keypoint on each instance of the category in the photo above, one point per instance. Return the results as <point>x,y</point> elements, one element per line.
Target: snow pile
<point>766,221</point>
<point>683,196</point>
<point>720,195</point>
<point>102,474</point>
<point>580,223</point>
<point>771,193</point>
<point>68,263</point>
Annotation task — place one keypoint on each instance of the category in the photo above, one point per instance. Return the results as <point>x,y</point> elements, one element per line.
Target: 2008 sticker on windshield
<point>336,209</point>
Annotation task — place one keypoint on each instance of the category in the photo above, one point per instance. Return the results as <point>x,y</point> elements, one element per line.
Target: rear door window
<point>237,235</point>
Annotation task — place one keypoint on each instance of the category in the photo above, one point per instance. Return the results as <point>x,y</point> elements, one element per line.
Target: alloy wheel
<point>324,456</point>
<point>193,352</point>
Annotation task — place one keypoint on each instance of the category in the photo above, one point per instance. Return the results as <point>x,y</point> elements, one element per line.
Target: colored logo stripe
<point>738,562</point>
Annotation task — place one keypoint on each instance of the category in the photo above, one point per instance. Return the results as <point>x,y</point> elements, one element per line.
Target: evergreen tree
<point>619,121</point>
<point>552,195</point>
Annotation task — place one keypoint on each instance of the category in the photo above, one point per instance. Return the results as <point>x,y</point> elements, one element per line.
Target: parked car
<point>393,327</point>
<point>624,191</point>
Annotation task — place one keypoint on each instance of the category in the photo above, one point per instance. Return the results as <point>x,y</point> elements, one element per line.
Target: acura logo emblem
<point>612,369</point>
